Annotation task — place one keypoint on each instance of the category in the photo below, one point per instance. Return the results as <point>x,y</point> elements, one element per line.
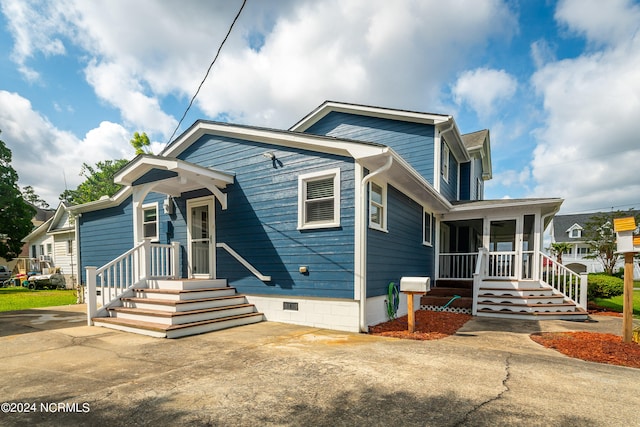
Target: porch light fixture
<point>274,161</point>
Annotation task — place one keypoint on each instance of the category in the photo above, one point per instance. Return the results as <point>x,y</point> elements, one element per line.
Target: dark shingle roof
<point>561,223</point>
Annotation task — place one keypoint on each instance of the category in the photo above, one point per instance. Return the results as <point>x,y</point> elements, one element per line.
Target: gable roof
<point>479,143</point>
<point>445,124</point>
<point>57,224</point>
<point>563,223</point>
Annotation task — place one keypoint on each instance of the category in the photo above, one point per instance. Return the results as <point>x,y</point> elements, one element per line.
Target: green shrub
<point>604,286</point>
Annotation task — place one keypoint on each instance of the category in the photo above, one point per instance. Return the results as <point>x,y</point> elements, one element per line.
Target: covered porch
<point>494,249</point>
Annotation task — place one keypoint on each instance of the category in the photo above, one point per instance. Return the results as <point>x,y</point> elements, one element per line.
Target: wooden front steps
<point>443,293</point>
<point>178,308</point>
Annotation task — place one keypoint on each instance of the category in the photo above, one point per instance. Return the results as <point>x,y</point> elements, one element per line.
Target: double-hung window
<point>150,221</point>
<point>377,206</point>
<point>319,199</point>
<point>444,164</point>
<point>427,228</point>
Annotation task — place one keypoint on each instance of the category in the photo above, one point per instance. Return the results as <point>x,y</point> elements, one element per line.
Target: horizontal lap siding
<point>412,141</point>
<point>105,234</point>
<point>450,189</point>
<point>400,251</point>
<point>262,217</point>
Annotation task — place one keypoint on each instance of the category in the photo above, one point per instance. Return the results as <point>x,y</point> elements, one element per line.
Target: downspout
<point>363,241</point>
<point>79,286</point>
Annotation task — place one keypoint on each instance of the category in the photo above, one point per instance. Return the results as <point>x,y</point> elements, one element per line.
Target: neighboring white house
<point>569,229</point>
<point>54,241</point>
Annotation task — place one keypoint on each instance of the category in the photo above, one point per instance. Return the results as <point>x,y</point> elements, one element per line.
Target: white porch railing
<point>144,261</point>
<point>502,264</point>
<point>457,265</point>
<point>559,277</point>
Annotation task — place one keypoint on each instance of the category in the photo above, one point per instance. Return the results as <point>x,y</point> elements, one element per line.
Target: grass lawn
<point>16,298</point>
<point>616,303</point>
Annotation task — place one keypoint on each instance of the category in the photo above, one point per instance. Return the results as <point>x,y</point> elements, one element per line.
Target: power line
<point>208,70</point>
<point>603,209</point>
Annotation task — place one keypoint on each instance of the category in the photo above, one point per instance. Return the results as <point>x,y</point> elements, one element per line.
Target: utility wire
<point>208,70</point>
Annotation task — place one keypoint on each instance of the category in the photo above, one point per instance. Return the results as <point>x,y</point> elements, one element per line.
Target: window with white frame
<point>150,221</point>
<point>444,164</point>
<point>377,206</point>
<point>427,228</point>
<point>69,247</point>
<point>575,233</point>
<point>319,199</point>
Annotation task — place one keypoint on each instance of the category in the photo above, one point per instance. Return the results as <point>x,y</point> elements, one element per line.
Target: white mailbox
<point>415,284</point>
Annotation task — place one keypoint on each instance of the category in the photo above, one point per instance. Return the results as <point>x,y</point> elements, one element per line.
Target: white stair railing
<point>570,284</point>
<point>243,261</point>
<point>144,261</point>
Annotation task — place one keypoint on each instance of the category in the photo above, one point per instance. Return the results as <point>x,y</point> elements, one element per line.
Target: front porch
<point>493,266</point>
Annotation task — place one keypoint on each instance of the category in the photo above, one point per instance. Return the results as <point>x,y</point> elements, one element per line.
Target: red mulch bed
<point>429,325</point>
<point>592,346</point>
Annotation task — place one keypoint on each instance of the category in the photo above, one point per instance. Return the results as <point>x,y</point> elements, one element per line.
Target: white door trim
<point>193,203</point>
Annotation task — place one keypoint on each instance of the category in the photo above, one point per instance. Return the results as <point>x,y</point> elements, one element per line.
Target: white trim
<point>383,206</point>
<point>192,203</point>
<point>359,212</point>
<point>313,176</point>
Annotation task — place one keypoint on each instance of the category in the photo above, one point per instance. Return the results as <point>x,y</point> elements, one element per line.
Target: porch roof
<point>477,209</point>
<point>171,175</point>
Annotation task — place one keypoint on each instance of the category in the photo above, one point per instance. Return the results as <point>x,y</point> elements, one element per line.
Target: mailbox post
<point>625,241</point>
<point>412,286</point>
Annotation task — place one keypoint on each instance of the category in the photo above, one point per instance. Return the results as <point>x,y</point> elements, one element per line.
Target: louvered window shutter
<point>319,202</point>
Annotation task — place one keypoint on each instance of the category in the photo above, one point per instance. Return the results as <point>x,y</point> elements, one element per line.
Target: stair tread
<point>160,313</point>
<point>177,302</point>
<point>502,304</point>
<point>180,291</point>
<point>158,327</point>
<point>515,289</point>
<point>578,311</point>
<point>554,296</point>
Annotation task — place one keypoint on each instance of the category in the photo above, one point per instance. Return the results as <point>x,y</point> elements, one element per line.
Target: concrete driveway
<point>57,371</point>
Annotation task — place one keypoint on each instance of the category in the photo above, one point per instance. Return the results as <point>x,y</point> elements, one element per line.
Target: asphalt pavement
<point>58,371</point>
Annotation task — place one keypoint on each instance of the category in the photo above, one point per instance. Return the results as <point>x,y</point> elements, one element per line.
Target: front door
<point>201,238</point>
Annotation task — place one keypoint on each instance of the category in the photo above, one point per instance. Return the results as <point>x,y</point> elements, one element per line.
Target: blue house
<point>234,224</point>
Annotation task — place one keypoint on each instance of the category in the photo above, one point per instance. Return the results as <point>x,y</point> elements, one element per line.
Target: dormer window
<point>575,232</point>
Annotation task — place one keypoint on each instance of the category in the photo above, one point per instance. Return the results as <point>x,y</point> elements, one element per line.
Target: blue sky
<point>557,83</point>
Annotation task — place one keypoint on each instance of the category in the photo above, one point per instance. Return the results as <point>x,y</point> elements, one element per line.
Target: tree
<point>15,213</point>
<point>599,234</point>
<point>140,142</point>
<point>29,195</point>
<point>98,182</point>
<point>559,248</point>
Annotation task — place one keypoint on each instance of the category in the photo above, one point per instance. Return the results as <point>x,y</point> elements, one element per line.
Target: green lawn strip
<point>616,303</point>
<point>16,298</point>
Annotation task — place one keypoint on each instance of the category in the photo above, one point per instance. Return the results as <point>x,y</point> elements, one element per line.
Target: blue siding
<point>466,184</point>
<point>412,141</point>
<point>108,233</point>
<point>262,217</point>
<point>450,189</point>
<point>400,251</point>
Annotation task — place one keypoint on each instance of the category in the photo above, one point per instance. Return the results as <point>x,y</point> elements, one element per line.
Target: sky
<point>557,83</point>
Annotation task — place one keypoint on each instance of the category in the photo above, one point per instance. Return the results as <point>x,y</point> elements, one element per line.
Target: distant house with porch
<point>569,229</point>
<point>311,225</point>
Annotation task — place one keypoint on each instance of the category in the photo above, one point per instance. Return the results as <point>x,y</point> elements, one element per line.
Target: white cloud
<point>588,150</point>
<point>608,23</point>
<point>483,88</point>
<point>141,52</point>
<point>542,53</point>
<point>43,155</point>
